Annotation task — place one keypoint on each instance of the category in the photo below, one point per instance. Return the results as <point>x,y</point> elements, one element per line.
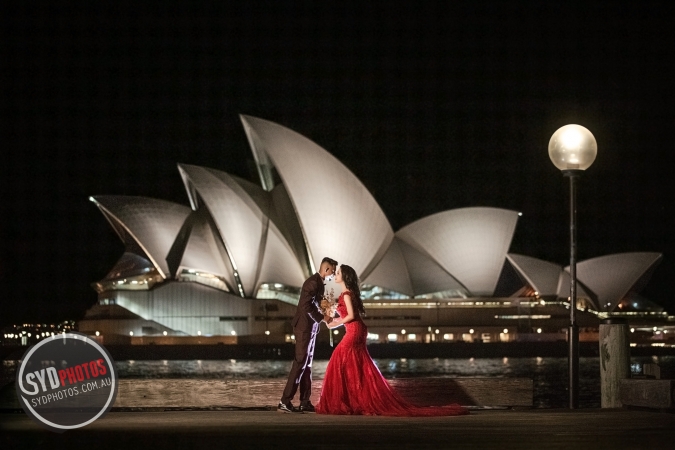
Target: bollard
<point>614,360</point>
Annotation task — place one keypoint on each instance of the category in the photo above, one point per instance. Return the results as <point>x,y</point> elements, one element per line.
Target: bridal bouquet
<point>328,307</point>
<point>328,304</point>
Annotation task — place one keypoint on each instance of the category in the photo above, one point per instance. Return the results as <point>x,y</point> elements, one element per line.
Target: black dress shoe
<point>308,407</point>
<point>287,408</point>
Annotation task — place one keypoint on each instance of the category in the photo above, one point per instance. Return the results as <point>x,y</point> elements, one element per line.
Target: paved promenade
<point>501,429</point>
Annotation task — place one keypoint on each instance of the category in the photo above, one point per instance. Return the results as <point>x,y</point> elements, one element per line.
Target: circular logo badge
<point>66,381</point>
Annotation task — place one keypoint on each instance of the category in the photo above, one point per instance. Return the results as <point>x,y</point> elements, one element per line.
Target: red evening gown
<point>354,385</point>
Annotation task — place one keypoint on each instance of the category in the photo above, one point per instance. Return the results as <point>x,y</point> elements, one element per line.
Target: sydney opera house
<point>227,266</point>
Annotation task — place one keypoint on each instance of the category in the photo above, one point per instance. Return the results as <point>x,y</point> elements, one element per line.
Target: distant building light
<point>655,328</point>
<point>373,336</point>
<point>267,332</point>
<point>448,336</point>
<point>539,330</point>
<point>506,330</point>
<point>471,331</point>
<point>233,333</point>
<point>98,334</point>
<point>523,316</point>
<point>164,333</point>
<point>412,336</point>
<point>292,336</point>
<point>392,337</point>
<point>520,214</point>
<point>199,333</point>
<point>403,331</point>
<point>28,334</point>
<point>437,331</point>
<point>131,333</point>
<point>632,330</point>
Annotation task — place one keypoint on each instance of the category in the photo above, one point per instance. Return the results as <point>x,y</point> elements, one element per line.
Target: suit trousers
<point>301,370</point>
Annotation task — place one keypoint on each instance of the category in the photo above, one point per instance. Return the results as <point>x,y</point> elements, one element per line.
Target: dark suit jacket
<point>307,315</point>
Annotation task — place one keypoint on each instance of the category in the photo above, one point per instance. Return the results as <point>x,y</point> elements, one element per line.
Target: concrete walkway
<point>506,429</point>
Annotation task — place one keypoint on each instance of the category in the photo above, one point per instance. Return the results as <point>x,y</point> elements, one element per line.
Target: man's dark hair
<point>330,261</point>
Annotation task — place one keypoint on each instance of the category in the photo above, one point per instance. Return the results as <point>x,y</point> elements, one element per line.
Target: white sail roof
<point>392,271</point>
<point>237,217</point>
<point>564,288</point>
<point>469,243</point>
<point>612,277</point>
<point>254,245</point>
<point>279,264</point>
<point>153,224</point>
<point>543,276</point>
<point>338,216</point>
<point>246,235</point>
<point>426,275</point>
<point>203,252</point>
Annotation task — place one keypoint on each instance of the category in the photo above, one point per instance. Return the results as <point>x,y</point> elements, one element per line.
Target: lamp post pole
<point>573,334</point>
<point>572,149</point>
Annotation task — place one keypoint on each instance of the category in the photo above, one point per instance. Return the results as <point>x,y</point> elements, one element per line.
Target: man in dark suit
<point>306,324</point>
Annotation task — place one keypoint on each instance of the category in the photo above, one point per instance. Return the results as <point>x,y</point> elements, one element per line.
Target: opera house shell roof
<point>242,237</point>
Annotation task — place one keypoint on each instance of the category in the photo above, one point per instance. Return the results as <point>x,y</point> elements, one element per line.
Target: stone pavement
<point>483,429</point>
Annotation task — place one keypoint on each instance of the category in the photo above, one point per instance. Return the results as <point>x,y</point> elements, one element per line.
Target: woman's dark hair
<point>352,282</point>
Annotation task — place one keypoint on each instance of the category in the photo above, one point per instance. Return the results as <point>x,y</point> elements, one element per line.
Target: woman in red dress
<point>353,384</point>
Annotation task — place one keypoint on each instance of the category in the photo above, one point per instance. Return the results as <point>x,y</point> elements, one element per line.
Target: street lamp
<point>572,149</point>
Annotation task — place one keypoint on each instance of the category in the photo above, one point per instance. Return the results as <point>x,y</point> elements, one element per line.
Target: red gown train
<point>354,385</point>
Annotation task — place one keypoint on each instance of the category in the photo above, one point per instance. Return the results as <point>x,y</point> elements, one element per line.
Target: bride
<point>353,384</point>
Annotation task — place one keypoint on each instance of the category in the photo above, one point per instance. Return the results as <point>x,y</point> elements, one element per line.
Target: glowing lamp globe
<point>572,147</point>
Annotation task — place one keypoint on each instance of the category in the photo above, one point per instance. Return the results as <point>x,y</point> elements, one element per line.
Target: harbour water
<point>549,374</point>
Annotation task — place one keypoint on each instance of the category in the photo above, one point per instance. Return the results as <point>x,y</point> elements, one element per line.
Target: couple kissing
<point>353,384</point>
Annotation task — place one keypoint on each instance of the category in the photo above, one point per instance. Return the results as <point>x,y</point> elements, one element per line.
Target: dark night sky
<point>431,104</point>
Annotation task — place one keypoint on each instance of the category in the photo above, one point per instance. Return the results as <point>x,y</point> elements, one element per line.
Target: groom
<point>306,325</point>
